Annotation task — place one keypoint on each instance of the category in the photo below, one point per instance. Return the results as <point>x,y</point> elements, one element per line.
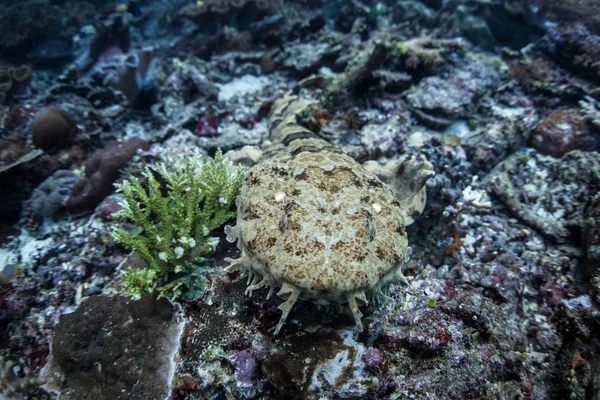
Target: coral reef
<point>508,129</point>
<point>452,97</point>
<point>544,205</point>
<point>487,24</point>
<point>114,30</point>
<point>575,48</point>
<point>205,12</point>
<point>502,287</point>
<point>80,12</point>
<point>16,117</point>
<point>314,364</point>
<point>575,365</point>
<point>590,109</point>
<point>12,148</point>
<point>591,241</point>
<point>425,55</point>
<point>18,171</point>
<point>564,12</point>
<point>51,52</point>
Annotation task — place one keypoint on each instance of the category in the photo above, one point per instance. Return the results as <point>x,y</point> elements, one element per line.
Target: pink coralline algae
<point>372,357</point>
<point>208,125</point>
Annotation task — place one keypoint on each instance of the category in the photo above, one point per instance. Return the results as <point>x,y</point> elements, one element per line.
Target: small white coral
<point>476,198</point>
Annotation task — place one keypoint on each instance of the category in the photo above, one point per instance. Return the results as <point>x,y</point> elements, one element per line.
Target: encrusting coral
<point>176,211</point>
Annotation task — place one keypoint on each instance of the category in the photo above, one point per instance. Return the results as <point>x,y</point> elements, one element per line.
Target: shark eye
<point>371,230</point>
<point>283,222</point>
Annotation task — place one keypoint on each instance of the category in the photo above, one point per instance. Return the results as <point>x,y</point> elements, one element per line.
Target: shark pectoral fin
<point>353,303</point>
<point>293,293</point>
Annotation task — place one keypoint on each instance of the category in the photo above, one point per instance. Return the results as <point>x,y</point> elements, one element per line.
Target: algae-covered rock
<point>115,348</point>
<point>546,193</point>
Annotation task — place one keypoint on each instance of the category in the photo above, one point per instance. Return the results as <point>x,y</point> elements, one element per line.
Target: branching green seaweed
<point>175,211</point>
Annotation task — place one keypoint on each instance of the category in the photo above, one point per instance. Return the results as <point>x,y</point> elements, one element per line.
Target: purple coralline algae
<point>245,367</point>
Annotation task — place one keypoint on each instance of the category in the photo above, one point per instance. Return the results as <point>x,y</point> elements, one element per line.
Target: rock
<point>51,52</point>
<point>51,194</point>
<point>233,136</point>
<point>562,131</point>
<point>414,12</point>
<point>548,194</point>
<point>307,58</point>
<point>242,86</point>
<point>575,48</point>
<point>496,138</point>
<point>384,139</point>
<point>207,13</point>
<point>22,24</point>
<point>460,20</point>
<point>319,361</point>
<point>247,155</point>
<point>393,81</point>
<point>591,243</point>
<point>455,96</point>
<point>115,348</point>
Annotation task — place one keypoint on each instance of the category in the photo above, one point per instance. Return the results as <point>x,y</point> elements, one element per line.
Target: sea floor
<point>503,285</point>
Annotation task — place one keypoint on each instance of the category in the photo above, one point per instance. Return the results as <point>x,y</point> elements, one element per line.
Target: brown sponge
<point>101,171</point>
<point>53,128</point>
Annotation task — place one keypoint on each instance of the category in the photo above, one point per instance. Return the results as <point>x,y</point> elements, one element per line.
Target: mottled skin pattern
<point>315,223</point>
